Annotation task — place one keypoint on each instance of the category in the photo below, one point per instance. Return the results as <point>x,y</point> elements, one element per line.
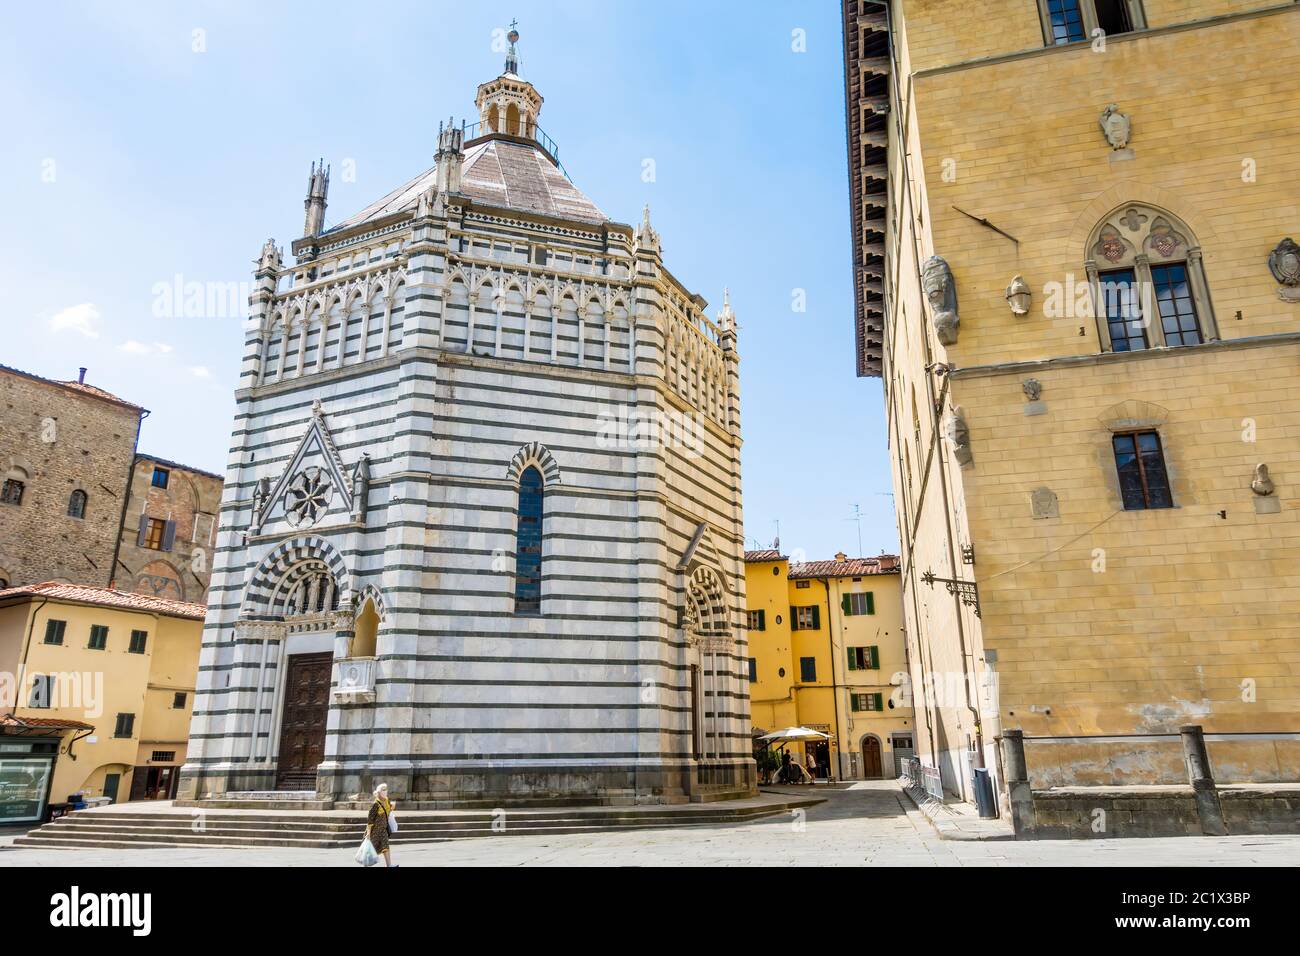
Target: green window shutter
<point>762,620</point>
<point>846,605</point>
<point>794,618</point>
<point>853,662</point>
<point>817,618</point>
<point>874,651</point>
<point>877,702</point>
<point>871,602</point>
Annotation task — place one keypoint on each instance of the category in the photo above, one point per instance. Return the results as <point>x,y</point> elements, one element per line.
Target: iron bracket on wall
<point>968,591</point>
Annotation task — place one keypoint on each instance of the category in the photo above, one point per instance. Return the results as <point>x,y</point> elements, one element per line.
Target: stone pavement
<point>867,824</point>
<point>957,820</point>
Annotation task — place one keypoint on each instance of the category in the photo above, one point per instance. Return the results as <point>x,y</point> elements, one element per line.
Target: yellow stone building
<point>829,654</point>
<point>98,690</point>
<point>1074,277</point>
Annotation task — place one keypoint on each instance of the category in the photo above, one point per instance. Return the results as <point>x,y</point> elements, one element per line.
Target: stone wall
<point>190,501</point>
<point>58,438</point>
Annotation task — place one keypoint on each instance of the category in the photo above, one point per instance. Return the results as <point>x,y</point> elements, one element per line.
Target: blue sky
<point>133,158</point>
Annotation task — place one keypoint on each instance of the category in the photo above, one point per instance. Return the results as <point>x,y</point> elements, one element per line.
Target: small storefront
<point>29,748</point>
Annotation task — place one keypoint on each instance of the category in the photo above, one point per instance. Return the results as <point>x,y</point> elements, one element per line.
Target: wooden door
<point>302,724</point>
<point>871,758</point>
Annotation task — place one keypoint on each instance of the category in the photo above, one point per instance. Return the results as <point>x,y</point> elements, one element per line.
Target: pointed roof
<point>500,172</point>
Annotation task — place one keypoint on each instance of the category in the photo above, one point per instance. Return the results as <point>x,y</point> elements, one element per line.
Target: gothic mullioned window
<point>528,544</point>
<point>1148,284</point>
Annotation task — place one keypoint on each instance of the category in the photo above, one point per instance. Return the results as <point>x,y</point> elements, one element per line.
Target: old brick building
<point>169,530</point>
<point>65,450</point>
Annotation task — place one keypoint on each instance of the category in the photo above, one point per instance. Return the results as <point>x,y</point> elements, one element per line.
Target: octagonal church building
<point>481,532</point>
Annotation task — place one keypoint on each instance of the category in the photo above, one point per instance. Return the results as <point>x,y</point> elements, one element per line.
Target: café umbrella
<point>792,734</point>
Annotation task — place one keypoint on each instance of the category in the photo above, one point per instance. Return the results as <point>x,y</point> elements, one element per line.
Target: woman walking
<point>377,824</point>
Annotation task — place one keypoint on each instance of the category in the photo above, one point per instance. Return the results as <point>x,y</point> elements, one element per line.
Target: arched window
<point>77,504</point>
<point>528,544</point>
<point>12,493</point>
<point>1148,284</point>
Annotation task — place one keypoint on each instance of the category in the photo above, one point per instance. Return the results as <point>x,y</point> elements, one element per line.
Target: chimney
<point>841,556</point>
<point>81,379</point>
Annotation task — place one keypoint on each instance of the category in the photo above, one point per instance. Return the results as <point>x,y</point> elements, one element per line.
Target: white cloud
<point>83,318</point>
<point>162,347</point>
<point>201,371</point>
<point>134,348</point>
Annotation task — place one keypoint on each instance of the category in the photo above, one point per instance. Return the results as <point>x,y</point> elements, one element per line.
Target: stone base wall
<point>596,785</point>
<point>1078,813</point>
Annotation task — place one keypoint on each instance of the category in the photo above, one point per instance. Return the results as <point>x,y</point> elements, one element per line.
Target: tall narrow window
<point>77,504</point>
<point>528,544</point>
<point>1140,461</point>
<point>1173,294</point>
<point>1119,300</point>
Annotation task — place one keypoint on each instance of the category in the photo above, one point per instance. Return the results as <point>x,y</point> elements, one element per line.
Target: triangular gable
<point>315,451</point>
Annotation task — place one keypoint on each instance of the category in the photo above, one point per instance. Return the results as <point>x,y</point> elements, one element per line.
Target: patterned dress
<point>377,826</point>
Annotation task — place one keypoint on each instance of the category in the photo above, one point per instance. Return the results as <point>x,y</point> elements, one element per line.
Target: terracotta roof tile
<point>766,554</point>
<point>107,597</point>
<point>74,386</point>
<point>848,568</point>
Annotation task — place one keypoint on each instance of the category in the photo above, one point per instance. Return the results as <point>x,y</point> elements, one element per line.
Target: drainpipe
<point>835,693</point>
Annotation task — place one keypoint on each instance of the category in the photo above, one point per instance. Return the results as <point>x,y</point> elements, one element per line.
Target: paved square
<point>870,824</point>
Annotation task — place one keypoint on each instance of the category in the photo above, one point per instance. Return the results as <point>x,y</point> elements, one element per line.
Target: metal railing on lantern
<point>475,131</point>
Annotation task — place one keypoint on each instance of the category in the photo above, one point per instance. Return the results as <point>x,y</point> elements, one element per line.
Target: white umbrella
<point>795,733</point>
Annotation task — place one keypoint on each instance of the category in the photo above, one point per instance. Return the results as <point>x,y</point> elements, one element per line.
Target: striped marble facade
<point>397,380</point>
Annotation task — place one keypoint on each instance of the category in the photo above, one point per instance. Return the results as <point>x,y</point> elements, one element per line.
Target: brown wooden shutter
<point>169,535</point>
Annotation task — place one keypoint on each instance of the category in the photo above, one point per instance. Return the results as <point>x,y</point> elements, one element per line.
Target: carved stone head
<point>941,294</point>
<point>957,433</point>
<point>1115,126</point>
<point>1033,389</point>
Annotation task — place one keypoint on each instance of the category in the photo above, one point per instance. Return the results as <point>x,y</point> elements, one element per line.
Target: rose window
<point>308,497</point>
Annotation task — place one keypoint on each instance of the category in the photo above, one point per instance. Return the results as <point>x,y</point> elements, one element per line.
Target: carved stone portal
<point>941,293</point>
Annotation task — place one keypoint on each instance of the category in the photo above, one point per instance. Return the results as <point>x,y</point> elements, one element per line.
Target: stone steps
<point>119,829</point>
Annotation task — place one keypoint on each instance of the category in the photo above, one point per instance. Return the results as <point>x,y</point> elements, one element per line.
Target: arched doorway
<point>872,766</point>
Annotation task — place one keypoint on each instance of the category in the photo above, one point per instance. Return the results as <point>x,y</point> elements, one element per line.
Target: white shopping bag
<point>366,854</point>
<point>392,822</point>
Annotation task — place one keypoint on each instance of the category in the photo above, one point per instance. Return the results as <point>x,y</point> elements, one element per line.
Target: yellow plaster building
<point>102,700</point>
<point>1074,277</point>
<point>829,654</point>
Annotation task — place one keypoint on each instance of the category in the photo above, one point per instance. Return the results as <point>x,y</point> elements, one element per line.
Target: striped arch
<point>534,453</point>
<point>279,564</point>
<point>372,593</point>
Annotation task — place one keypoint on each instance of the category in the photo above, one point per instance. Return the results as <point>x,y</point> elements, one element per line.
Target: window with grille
<point>163,756</point>
<point>12,493</point>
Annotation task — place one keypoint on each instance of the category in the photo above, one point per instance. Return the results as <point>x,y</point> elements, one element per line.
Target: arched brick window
<point>77,504</point>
